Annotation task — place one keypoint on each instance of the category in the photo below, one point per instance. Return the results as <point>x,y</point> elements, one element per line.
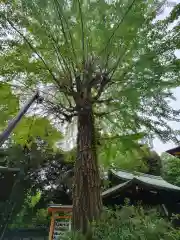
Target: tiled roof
<point>148,180</point>
<point>174,151</point>
<point>115,189</point>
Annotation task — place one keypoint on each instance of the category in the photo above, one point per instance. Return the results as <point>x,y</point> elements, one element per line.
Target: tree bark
<point>87,202</point>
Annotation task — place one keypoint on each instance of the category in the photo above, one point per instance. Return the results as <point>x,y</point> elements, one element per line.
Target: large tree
<point>98,63</point>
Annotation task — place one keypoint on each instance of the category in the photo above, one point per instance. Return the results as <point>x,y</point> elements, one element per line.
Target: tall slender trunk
<point>87,202</point>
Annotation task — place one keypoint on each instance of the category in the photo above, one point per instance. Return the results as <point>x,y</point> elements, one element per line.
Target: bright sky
<point>158,145</point>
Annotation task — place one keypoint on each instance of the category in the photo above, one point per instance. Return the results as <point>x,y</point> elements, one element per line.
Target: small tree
<point>102,63</point>
<point>132,157</point>
<point>171,168</point>
<point>33,159</point>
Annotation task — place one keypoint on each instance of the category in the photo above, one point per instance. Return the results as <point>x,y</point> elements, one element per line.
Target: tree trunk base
<point>87,202</point>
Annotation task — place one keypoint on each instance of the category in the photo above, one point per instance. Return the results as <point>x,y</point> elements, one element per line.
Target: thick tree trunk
<point>87,202</point>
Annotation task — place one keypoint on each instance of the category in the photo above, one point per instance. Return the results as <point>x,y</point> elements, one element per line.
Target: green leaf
<point>36,128</point>
<point>122,152</point>
<point>9,104</point>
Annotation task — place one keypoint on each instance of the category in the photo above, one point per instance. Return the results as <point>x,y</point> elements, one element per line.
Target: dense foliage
<point>130,223</point>
<point>42,166</point>
<point>171,168</point>
<point>41,170</point>
<point>30,216</point>
<point>137,157</point>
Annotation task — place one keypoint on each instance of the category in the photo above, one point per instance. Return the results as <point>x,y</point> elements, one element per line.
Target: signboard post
<point>61,226</point>
<point>60,221</point>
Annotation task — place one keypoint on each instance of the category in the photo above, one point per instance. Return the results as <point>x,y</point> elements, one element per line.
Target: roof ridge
<point>152,180</point>
<point>142,174</point>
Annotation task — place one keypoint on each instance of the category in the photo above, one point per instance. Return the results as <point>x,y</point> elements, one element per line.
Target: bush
<point>131,223</point>
<point>171,169</point>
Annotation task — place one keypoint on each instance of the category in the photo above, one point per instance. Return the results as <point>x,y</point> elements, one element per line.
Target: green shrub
<point>131,223</point>
<point>170,168</point>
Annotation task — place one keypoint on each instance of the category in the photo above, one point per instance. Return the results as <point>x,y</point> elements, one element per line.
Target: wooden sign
<point>61,226</point>
<point>60,221</point>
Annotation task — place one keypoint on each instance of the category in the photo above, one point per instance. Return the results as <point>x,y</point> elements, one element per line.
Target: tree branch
<point>64,88</point>
<point>67,113</point>
<point>78,83</point>
<point>82,32</point>
<point>60,15</point>
<point>102,114</point>
<point>119,24</point>
<point>105,80</point>
<point>69,31</point>
<point>60,105</point>
<point>57,51</point>
<point>32,48</point>
<point>105,100</point>
<point>113,70</point>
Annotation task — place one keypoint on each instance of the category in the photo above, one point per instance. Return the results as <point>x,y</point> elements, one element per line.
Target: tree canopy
<point>48,43</point>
